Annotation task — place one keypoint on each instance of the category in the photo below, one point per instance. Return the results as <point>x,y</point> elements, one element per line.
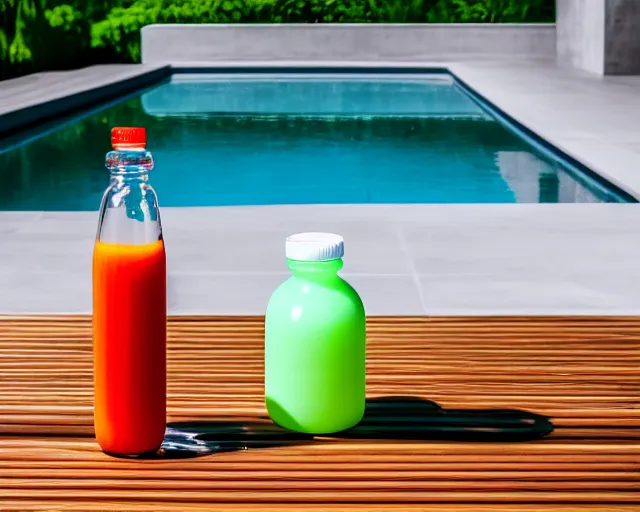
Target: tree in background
<point>18,19</point>
<point>38,35</point>
<point>492,11</point>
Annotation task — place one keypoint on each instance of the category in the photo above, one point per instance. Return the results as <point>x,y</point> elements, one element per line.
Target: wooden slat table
<point>419,448</point>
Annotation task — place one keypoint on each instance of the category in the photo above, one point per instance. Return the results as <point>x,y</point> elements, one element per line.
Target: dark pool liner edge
<point>31,116</point>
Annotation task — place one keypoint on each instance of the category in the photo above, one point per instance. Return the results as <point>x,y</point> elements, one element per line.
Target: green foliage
<point>63,16</point>
<point>45,34</point>
<point>64,39</point>
<point>37,35</point>
<point>20,21</point>
<point>491,11</point>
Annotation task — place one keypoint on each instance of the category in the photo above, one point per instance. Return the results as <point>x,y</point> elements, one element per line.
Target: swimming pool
<point>296,139</point>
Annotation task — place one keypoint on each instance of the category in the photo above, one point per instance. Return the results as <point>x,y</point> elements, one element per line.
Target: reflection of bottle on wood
<point>315,341</point>
<point>129,305</point>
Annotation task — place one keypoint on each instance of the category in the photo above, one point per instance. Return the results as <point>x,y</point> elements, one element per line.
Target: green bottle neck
<point>315,270</point>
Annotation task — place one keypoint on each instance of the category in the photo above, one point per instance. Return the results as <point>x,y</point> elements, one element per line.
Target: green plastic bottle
<point>315,340</point>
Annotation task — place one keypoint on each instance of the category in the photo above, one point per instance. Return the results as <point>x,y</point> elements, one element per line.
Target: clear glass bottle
<point>129,305</point>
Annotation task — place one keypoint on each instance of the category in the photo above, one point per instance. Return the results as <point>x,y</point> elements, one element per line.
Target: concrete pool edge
<point>577,148</point>
<point>37,98</point>
<point>371,42</point>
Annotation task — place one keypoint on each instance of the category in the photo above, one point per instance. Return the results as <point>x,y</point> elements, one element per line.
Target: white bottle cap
<point>314,247</point>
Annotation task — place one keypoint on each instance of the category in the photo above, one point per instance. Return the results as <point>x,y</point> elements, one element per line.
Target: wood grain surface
<point>482,414</point>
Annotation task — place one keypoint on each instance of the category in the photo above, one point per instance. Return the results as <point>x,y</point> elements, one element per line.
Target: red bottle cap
<point>128,138</point>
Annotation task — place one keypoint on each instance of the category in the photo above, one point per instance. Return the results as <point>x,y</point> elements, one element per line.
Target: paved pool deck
<point>510,259</point>
<point>520,259</point>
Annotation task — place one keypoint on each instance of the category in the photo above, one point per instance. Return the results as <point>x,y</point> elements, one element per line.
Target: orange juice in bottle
<point>129,305</point>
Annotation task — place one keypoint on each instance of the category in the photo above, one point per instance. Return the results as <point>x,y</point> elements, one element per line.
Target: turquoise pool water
<point>293,139</point>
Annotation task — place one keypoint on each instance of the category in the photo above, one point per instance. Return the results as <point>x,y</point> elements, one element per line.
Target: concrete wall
<point>600,36</point>
<point>622,33</point>
<point>580,34</point>
<point>176,44</point>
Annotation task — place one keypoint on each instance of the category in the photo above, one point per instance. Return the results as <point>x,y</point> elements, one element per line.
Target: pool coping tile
<point>532,259</point>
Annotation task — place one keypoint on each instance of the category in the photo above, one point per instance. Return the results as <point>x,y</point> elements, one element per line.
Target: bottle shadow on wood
<point>414,418</point>
<point>198,438</point>
<point>386,418</point>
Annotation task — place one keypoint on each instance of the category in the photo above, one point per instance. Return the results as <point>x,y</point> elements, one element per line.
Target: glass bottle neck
<point>129,211</point>
<point>129,165</point>
<point>120,179</point>
<point>315,270</point>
